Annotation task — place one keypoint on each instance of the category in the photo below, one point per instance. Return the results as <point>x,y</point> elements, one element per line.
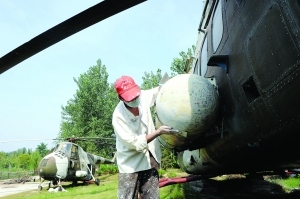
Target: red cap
<point>127,88</point>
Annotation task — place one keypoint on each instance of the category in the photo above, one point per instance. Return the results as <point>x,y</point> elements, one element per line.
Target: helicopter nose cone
<point>47,167</point>
<point>53,166</point>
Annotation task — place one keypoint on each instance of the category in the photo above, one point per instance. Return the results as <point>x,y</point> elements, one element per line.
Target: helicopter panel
<point>278,34</point>
<point>255,66</point>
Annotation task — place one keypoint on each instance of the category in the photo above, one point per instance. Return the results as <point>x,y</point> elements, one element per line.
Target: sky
<point>141,39</point>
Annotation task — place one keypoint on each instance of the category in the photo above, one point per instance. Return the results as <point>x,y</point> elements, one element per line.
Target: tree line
<point>22,159</point>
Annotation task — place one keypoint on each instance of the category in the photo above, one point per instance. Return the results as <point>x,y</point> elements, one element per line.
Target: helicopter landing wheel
<point>74,182</point>
<point>40,188</point>
<point>54,182</point>
<point>97,181</point>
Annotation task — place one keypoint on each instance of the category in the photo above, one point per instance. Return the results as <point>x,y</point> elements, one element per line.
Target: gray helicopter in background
<point>67,161</point>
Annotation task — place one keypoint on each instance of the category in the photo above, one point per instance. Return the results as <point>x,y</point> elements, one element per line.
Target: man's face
<point>133,103</point>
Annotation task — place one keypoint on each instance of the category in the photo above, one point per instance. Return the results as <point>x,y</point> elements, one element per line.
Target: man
<point>138,151</point>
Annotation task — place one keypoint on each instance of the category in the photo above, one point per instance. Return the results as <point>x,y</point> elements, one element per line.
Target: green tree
<point>42,149</point>
<point>89,112</point>
<point>12,158</point>
<point>24,161</point>
<point>151,80</point>
<point>3,160</point>
<point>35,159</point>
<point>178,65</point>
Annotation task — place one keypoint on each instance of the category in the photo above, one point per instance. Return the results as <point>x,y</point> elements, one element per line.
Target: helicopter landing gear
<point>40,185</point>
<point>74,183</point>
<point>54,182</point>
<point>97,181</point>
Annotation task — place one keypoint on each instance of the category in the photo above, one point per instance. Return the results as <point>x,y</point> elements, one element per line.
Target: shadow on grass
<point>105,177</point>
<point>236,188</point>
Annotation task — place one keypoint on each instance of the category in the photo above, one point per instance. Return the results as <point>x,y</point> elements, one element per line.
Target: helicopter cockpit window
<point>74,152</point>
<point>55,148</point>
<point>217,26</point>
<point>64,148</point>
<point>203,66</point>
<point>58,147</point>
<point>44,162</point>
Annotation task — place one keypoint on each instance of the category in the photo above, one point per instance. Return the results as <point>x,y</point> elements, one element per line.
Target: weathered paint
<point>188,103</point>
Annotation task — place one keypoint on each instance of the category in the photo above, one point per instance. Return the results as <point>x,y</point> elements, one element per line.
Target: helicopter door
<point>74,157</point>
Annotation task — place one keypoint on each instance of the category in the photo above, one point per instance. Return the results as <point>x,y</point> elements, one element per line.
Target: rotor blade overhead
<point>65,29</point>
<point>101,140</point>
<point>90,138</point>
<point>7,141</point>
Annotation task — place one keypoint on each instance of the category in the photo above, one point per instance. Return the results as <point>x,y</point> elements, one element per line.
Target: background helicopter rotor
<point>96,140</point>
<point>103,140</point>
<point>25,140</point>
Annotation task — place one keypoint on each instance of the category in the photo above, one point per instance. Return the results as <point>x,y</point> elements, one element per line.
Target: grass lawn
<point>107,190</point>
<point>109,184</point>
<point>288,184</point>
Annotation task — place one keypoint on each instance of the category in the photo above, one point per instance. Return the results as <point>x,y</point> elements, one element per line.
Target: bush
<point>107,169</point>
<point>161,172</point>
<point>171,174</point>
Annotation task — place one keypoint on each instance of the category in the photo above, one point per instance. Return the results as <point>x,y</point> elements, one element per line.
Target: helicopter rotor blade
<point>6,141</point>
<point>88,139</point>
<point>88,17</point>
<point>98,140</point>
<point>104,143</point>
<point>93,138</point>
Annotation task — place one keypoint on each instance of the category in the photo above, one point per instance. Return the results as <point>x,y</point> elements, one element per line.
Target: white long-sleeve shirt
<point>132,147</point>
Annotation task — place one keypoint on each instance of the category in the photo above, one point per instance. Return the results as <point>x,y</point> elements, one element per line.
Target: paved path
<point>9,189</point>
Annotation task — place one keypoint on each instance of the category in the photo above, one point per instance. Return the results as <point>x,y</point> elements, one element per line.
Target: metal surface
<point>258,93</point>
<point>188,103</point>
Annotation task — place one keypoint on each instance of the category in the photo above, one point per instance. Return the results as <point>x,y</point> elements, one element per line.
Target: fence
<point>19,174</point>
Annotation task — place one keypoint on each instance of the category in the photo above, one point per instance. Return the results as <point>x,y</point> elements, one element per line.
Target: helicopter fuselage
<point>250,51</point>
<point>66,162</point>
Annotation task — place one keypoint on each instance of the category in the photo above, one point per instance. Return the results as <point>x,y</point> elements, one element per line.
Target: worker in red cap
<point>138,151</point>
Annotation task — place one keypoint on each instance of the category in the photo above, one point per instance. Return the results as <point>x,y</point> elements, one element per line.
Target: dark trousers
<point>143,182</point>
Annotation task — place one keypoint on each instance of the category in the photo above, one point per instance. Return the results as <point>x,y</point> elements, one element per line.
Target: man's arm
<point>161,130</point>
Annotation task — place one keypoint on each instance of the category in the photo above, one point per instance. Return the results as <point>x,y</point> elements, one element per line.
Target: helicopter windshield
<point>64,148</point>
<point>54,148</point>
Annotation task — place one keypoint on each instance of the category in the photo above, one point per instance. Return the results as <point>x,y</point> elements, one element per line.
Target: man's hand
<point>167,130</point>
<point>161,130</point>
